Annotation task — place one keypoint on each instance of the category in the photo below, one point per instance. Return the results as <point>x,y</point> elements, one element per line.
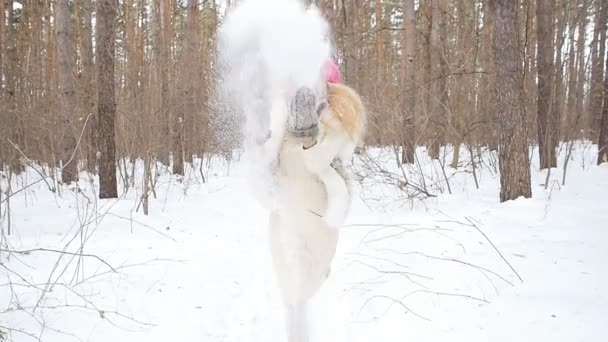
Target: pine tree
<point>67,92</point>
<point>409,81</point>
<point>513,146</point>
<point>106,13</point>
<point>545,115</point>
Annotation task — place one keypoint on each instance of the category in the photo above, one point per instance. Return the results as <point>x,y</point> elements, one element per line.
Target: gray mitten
<point>303,120</point>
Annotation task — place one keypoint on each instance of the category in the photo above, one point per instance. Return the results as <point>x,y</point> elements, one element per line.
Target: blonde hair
<point>348,109</point>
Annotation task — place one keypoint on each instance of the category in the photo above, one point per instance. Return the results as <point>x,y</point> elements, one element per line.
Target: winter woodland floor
<point>198,267</point>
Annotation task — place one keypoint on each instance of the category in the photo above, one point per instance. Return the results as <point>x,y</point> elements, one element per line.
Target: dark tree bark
<point>487,104</point>
<point>348,14</point>
<point>2,20</point>
<point>409,82</point>
<point>161,22</point>
<point>598,48</point>
<point>3,118</point>
<point>558,98</point>
<point>545,116</point>
<point>438,93</point>
<point>106,13</point>
<point>11,73</point>
<point>67,92</point>
<point>602,156</point>
<point>580,51</point>
<point>425,58</point>
<point>89,83</point>
<point>380,63</point>
<point>189,77</point>
<point>572,74</point>
<point>165,60</point>
<point>513,146</point>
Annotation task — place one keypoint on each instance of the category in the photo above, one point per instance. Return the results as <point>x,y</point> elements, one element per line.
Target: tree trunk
<point>598,48</point>
<point>558,98</point>
<point>409,82</point>
<point>425,61</point>
<point>187,84</point>
<point>3,110</point>
<point>106,14</point>
<point>67,92</point>
<point>513,147</point>
<point>465,56</point>
<point>89,84</point>
<point>544,27</point>
<point>438,115</point>
<point>167,87</point>
<point>580,51</point>
<point>530,86</point>
<point>162,20</point>
<point>11,74</point>
<point>602,156</point>
<point>2,21</point>
<point>349,36</point>
<point>146,183</point>
<point>572,74</point>
<point>487,103</point>
<point>379,49</point>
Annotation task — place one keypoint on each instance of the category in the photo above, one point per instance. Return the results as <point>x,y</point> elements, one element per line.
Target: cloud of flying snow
<point>266,47</point>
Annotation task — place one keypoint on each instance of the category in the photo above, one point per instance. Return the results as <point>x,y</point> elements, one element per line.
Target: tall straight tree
<point>580,58</point>
<point>106,14</point>
<point>166,25</point>
<point>187,85</point>
<point>558,98</point>
<point>2,11</point>
<point>3,118</point>
<point>572,74</point>
<point>598,48</point>
<point>602,156</point>
<point>161,35</point>
<point>409,81</point>
<point>438,93</point>
<point>88,67</point>
<point>11,74</point>
<point>545,116</point>
<point>67,92</point>
<point>486,104</point>
<point>380,62</point>
<point>512,146</point>
<point>425,60</point>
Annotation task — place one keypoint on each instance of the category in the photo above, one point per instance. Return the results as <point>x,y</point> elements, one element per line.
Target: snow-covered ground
<point>198,267</point>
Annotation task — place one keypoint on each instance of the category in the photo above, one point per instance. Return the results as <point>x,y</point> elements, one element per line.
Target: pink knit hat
<point>331,72</point>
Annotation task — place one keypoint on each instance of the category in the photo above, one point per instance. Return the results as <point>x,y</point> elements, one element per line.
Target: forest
<point>111,118</point>
<point>426,69</point>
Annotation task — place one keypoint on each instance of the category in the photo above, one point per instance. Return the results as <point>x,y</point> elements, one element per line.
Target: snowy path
<point>204,273</point>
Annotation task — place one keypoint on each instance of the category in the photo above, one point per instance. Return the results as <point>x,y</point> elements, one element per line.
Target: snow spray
<point>267,50</point>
